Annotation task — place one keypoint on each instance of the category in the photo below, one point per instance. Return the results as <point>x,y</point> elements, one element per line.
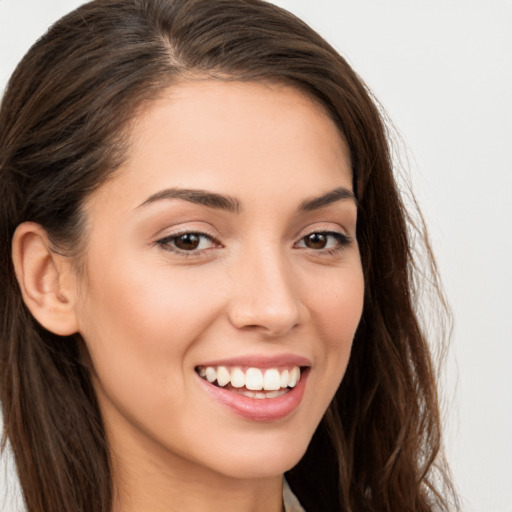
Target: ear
<point>46,279</point>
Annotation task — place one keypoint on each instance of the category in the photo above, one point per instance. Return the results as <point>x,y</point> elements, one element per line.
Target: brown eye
<point>316,241</point>
<point>324,240</point>
<point>188,241</point>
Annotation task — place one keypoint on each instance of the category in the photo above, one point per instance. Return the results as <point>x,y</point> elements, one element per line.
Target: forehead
<point>231,137</point>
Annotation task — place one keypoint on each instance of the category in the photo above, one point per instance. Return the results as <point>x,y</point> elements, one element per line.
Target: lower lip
<point>259,409</point>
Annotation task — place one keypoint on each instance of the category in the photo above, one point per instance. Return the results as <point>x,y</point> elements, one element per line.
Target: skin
<point>150,315</point>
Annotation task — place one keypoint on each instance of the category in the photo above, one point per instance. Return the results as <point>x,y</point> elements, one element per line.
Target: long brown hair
<point>64,127</point>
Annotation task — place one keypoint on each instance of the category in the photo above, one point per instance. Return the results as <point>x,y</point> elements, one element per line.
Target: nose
<point>266,295</point>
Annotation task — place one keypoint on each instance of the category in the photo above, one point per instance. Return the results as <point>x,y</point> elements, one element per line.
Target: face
<point>223,282</point>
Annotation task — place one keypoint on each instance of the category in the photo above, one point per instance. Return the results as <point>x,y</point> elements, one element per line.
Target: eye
<point>187,242</point>
<point>323,240</point>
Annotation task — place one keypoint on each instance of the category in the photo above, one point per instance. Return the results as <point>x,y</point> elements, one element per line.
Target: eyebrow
<point>210,199</point>
<point>231,204</point>
<point>338,194</point>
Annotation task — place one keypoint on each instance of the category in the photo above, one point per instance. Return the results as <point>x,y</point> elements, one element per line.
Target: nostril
<point>271,322</point>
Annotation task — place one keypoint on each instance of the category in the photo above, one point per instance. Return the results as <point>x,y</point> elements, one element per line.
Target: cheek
<point>140,324</point>
<point>336,306</point>
<point>336,310</point>
<point>148,306</point>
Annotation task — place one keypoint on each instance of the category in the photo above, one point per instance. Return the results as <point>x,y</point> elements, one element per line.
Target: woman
<point>209,281</point>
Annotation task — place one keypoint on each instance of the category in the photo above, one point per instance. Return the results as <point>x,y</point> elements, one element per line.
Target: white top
<point>291,503</point>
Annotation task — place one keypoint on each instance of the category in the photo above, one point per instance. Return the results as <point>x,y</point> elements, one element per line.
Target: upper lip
<point>261,361</point>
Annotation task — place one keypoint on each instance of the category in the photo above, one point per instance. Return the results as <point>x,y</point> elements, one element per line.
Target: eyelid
<point>324,227</point>
<point>326,232</point>
<point>182,228</point>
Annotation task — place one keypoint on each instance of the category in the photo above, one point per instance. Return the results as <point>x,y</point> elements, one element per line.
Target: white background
<point>443,71</point>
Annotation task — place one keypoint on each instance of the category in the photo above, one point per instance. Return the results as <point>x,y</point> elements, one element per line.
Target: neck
<point>142,484</point>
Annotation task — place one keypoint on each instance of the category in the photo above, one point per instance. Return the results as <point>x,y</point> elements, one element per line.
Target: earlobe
<point>46,279</point>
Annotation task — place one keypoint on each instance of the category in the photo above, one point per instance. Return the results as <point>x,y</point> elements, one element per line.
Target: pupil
<point>188,241</point>
<point>316,241</point>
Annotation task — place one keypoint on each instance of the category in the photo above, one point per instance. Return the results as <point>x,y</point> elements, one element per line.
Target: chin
<point>259,460</point>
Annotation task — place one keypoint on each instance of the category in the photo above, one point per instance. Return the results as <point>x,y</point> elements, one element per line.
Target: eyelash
<point>342,241</point>
<point>166,243</point>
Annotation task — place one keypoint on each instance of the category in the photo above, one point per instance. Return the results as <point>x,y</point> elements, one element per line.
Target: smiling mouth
<point>251,382</point>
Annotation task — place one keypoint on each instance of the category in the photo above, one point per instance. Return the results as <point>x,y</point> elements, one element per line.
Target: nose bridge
<point>266,294</point>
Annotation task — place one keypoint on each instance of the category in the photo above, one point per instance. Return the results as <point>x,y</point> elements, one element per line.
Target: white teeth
<point>262,394</point>
<point>294,377</point>
<point>275,394</point>
<point>223,376</point>
<point>211,374</point>
<point>237,378</point>
<point>253,379</point>
<point>284,378</point>
<point>272,380</point>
